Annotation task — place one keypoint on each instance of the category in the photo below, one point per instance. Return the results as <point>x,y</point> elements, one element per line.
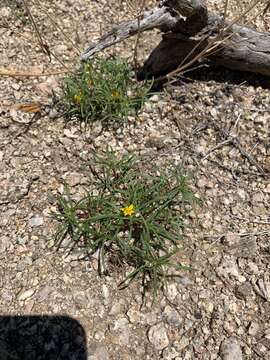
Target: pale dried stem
<point>18,74</point>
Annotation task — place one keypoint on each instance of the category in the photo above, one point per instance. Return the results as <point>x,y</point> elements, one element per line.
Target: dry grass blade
<point>18,74</point>
<point>33,107</point>
<point>45,48</point>
<point>138,8</point>
<point>226,5</point>
<point>57,27</point>
<point>42,44</point>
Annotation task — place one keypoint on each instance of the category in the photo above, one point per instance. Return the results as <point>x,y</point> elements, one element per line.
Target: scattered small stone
<point>121,326</point>
<point>134,316</point>
<point>35,221</point>
<point>26,294</point>
<point>70,133</point>
<point>5,12</point>
<point>262,288</point>
<point>44,293</point>
<point>253,328</point>
<point>244,290</point>
<point>51,197</point>
<point>158,337</point>
<point>229,268</point>
<point>106,294</point>
<point>154,98</point>
<point>242,246</point>
<point>170,353</point>
<point>97,351</point>
<point>6,295</point>
<point>155,142</point>
<point>4,243</point>
<point>171,316</point>
<point>172,291</point>
<point>230,350</point>
<point>73,179</point>
<point>53,114</point>
<point>118,307</point>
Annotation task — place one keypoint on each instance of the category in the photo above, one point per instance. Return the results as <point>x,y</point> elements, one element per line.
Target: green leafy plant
<point>103,90</point>
<point>129,216</point>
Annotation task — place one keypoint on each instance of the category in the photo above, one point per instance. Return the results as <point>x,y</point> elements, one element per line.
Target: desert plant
<point>103,90</point>
<point>128,215</point>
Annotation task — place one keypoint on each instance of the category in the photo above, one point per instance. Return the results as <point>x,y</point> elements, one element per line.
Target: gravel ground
<point>214,124</point>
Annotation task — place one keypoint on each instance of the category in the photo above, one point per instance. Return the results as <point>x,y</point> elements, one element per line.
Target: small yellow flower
<point>78,98</point>
<point>115,94</point>
<point>88,68</point>
<point>128,210</point>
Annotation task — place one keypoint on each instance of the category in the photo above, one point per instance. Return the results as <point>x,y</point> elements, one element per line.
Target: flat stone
<point>35,221</point>
<point>121,327</point>
<point>171,316</point>
<point>172,291</point>
<point>73,179</point>
<point>158,337</point>
<point>154,98</point>
<point>44,293</point>
<point>26,294</point>
<point>105,294</point>
<point>253,328</point>
<point>244,290</point>
<point>245,248</point>
<point>231,350</point>
<point>229,268</point>
<point>134,316</point>
<point>118,307</point>
<point>97,351</point>
<point>4,243</point>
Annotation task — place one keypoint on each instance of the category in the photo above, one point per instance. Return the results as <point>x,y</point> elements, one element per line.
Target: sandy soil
<point>214,123</point>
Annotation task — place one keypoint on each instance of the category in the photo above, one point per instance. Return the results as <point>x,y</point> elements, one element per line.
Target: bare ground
<point>214,123</point>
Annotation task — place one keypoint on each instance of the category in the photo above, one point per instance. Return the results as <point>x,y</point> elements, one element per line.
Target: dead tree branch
<point>189,27</point>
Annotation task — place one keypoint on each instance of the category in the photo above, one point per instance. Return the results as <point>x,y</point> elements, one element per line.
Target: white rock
<point>134,316</point>
<point>35,221</point>
<point>117,307</point>
<point>158,337</point>
<point>172,291</point>
<point>254,328</point>
<point>171,316</point>
<point>154,98</point>
<point>228,268</point>
<point>26,294</point>
<point>97,352</point>
<point>106,294</point>
<point>4,243</point>
<point>70,133</point>
<point>5,12</point>
<point>73,179</point>
<point>230,350</point>
<point>121,326</point>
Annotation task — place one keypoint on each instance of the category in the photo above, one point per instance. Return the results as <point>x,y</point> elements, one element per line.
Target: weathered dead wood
<point>158,18</point>
<point>189,28</point>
